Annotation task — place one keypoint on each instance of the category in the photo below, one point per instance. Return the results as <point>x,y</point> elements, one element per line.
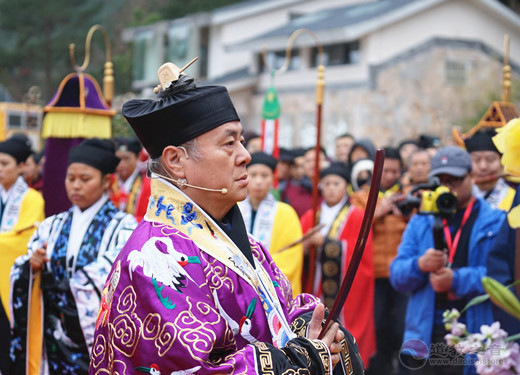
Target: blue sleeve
<point>467,281</point>
<point>405,274</point>
<point>501,267</point>
<point>501,258</point>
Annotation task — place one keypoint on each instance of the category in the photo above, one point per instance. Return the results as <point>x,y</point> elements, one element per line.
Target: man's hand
<point>39,258</point>
<point>432,260</point>
<point>384,206</point>
<point>441,280</point>
<point>333,336</point>
<point>317,239</point>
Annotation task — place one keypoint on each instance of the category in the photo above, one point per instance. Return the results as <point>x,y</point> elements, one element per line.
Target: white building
<point>394,68</point>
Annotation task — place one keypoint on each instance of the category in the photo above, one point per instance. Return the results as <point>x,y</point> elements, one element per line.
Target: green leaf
<point>513,338</point>
<point>475,301</point>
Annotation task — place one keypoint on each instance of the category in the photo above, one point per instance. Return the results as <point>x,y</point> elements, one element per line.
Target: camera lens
<point>446,203</point>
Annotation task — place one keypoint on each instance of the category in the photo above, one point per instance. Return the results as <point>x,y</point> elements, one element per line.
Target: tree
<point>35,40</point>
<point>181,8</point>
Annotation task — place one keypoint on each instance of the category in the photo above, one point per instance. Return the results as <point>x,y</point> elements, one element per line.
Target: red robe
<point>358,314</point>
<point>142,200</point>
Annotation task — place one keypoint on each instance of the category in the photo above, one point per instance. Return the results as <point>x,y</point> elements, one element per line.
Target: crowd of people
<point>187,249</point>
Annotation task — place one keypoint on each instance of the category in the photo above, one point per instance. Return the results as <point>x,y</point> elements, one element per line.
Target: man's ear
<point>173,160</point>
<point>105,181</point>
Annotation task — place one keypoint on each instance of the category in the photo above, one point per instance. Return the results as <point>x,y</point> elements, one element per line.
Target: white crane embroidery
<point>244,326</point>
<point>160,261</point>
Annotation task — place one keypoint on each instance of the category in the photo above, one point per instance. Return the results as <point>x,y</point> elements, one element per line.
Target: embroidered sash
<point>64,264</point>
<point>171,207</point>
<point>264,220</point>
<point>332,258</point>
<point>134,194</point>
<point>391,191</point>
<point>12,208</point>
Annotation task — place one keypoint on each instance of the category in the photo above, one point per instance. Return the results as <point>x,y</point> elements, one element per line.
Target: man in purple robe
<point>190,292</point>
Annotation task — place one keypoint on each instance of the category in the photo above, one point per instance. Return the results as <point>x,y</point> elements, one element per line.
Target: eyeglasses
<point>450,181</point>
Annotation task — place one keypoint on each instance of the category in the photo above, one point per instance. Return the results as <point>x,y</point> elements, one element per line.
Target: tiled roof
<point>339,17</point>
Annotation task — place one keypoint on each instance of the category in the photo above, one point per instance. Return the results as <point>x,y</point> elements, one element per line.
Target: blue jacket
<point>501,266</point>
<point>406,276</point>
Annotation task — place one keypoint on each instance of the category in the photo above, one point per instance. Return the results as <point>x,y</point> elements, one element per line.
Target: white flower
<point>452,340</point>
<point>470,344</point>
<point>496,355</point>
<point>458,329</point>
<point>493,331</point>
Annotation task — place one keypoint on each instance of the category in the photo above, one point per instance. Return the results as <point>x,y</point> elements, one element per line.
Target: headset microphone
<point>182,183</point>
<point>222,191</point>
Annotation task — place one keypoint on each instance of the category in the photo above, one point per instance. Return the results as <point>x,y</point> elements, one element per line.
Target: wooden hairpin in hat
<point>169,73</point>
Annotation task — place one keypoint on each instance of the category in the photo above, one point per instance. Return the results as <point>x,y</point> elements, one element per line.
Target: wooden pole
<point>361,241</point>
<point>320,86</point>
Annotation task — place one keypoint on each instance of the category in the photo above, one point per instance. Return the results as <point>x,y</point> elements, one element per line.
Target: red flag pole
<point>308,280</point>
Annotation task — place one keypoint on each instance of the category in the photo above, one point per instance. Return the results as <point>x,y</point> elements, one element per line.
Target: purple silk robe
<point>181,298</point>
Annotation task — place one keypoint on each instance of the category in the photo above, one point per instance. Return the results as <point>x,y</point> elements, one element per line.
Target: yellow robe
<point>13,243</point>
<point>287,229</point>
<point>275,230</point>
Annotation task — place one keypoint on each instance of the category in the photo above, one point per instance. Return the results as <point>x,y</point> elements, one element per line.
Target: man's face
<point>462,187</point>
<point>298,168</point>
<point>254,145</point>
<point>9,170</point>
<point>333,189</point>
<point>391,173</point>
<point>310,161</point>
<point>406,150</point>
<point>223,165</point>
<point>358,153</point>
<point>343,147</point>
<point>419,167</point>
<point>85,184</point>
<point>127,164</point>
<point>486,165</point>
<point>29,169</point>
<point>260,178</point>
<point>283,170</point>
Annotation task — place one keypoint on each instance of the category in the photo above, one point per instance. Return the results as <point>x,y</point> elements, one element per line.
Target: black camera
<point>429,198</point>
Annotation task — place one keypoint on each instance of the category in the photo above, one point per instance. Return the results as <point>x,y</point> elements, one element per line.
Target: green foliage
<point>181,8</point>
<point>141,18</point>
<point>120,127</point>
<point>36,38</point>
<point>123,71</point>
<point>481,107</point>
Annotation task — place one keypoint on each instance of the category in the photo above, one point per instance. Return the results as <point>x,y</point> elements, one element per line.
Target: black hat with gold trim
<point>179,113</point>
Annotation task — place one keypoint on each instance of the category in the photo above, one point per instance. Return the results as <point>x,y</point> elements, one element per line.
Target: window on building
<point>146,56</point>
<point>203,54</point>
<point>14,120</point>
<point>32,121</point>
<point>337,54</point>
<point>178,44</point>
<point>22,120</point>
<point>183,43</point>
<point>276,59</point>
<point>456,72</point>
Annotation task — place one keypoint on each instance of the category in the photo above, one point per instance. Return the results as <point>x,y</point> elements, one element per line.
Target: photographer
<point>447,277</point>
